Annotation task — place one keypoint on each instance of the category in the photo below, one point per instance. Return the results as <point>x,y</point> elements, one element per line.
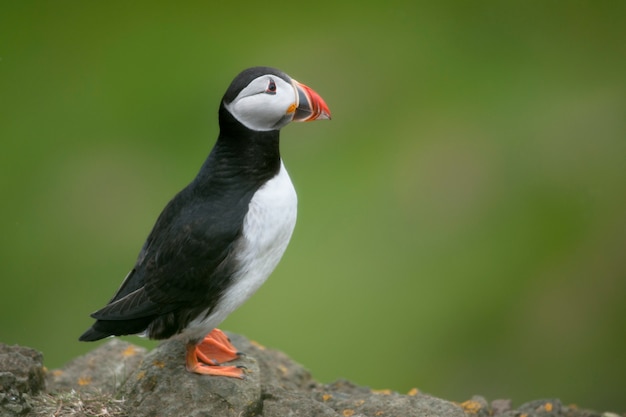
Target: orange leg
<point>205,357</point>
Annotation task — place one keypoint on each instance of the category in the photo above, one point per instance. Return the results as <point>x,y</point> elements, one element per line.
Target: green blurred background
<point>462,219</point>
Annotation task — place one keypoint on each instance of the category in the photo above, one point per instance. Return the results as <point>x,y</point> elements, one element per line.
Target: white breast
<point>267,228</point>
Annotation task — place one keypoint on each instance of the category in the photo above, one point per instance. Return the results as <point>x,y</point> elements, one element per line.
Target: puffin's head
<point>263,98</point>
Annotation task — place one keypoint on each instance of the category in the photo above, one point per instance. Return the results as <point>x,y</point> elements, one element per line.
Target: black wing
<point>183,268</point>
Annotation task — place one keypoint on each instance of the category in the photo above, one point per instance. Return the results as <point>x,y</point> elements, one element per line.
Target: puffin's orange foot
<point>216,348</point>
<point>218,370</point>
<point>205,357</point>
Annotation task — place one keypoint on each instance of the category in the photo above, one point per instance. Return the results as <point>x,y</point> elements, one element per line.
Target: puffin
<point>218,240</point>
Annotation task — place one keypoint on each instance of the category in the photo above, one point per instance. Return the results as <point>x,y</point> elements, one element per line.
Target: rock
<point>548,408</point>
<point>477,406</point>
<point>545,408</point>
<point>348,399</point>
<point>275,386</point>
<point>286,387</point>
<point>26,365</point>
<point>500,406</point>
<point>120,379</point>
<point>104,368</point>
<point>162,386</point>
<point>21,377</point>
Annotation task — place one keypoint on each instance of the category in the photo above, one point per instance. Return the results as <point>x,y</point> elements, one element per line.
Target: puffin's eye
<point>271,87</point>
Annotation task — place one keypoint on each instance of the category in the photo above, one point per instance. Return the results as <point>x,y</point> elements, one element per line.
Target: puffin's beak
<point>309,105</point>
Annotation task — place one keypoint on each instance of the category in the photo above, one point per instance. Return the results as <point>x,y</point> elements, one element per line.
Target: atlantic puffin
<point>218,239</point>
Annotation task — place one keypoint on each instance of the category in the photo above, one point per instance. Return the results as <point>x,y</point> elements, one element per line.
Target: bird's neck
<point>241,155</point>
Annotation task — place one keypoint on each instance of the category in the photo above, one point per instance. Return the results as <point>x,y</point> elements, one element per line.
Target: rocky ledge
<point>121,379</point>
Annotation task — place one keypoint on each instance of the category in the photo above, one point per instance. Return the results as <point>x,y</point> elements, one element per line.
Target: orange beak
<point>309,106</point>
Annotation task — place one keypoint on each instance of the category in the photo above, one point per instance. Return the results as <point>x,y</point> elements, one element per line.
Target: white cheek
<point>262,111</point>
<point>254,112</point>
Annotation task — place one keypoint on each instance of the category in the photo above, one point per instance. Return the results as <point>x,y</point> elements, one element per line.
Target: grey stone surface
<point>105,368</point>
<point>349,399</point>
<point>21,377</point>
<point>162,386</point>
<point>141,384</point>
<point>275,386</point>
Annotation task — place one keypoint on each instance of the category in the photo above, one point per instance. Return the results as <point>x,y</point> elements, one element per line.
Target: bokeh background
<point>462,219</point>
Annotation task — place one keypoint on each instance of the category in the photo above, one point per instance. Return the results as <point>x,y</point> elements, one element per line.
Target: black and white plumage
<point>219,238</point>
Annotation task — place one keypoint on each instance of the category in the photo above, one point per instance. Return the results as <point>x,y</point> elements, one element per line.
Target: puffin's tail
<point>105,328</point>
<point>91,335</point>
